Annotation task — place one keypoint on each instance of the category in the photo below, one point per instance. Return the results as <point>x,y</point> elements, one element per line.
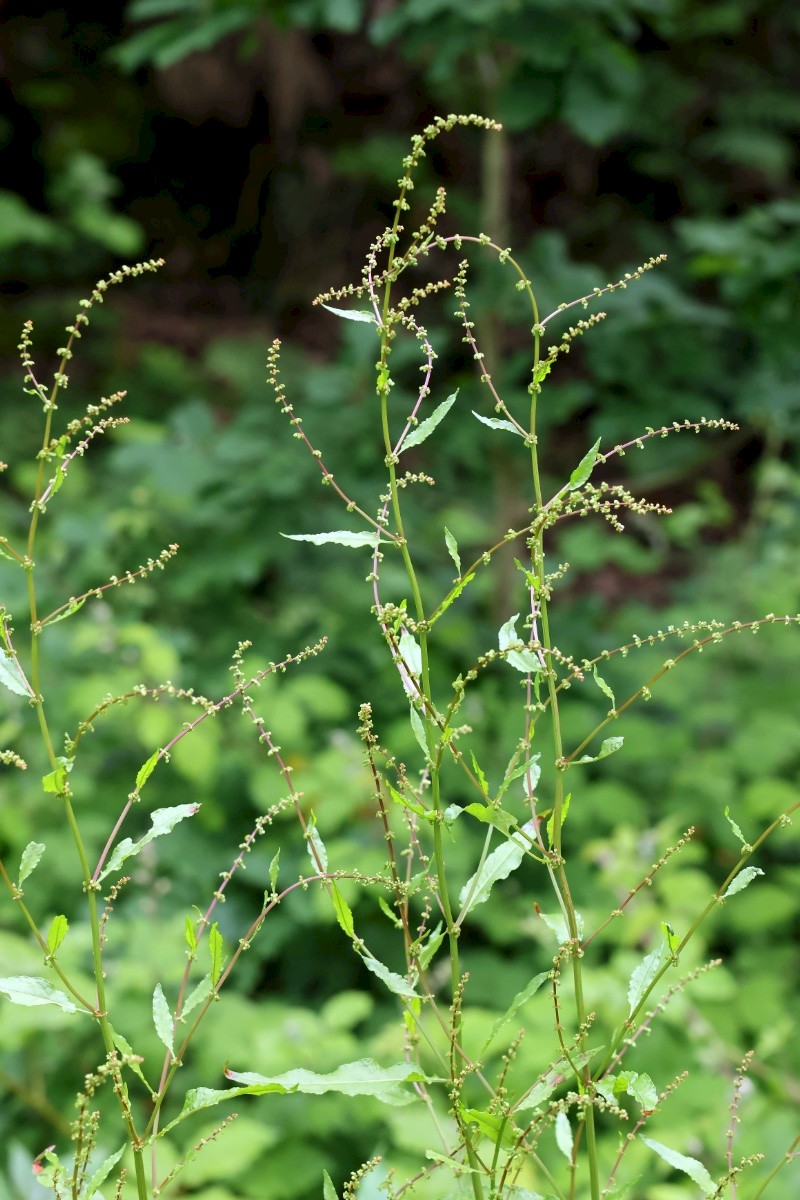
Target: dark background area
<point>256,146</point>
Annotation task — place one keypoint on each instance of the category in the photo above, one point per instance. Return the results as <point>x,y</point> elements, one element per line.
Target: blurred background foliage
<point>256,145</point>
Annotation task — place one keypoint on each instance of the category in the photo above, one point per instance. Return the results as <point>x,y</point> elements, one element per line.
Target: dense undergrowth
<point>712,747</point>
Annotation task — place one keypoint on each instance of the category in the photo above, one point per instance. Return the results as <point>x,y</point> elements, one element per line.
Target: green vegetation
<point>498,886</point>
<point>631,129</point>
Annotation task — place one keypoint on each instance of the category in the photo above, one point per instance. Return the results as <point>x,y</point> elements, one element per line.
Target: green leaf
<point>29,860</point>
<point>557,922</point>
<point>564,1135</point>
<point>531,765</point>
<point>29,991</point>
<point>642,1088</point>
<point>419,731</point>
<point>340,537</point>
<point>426,427</point>
<point>351,314</point>
<point>554,1077</point>
<point>394,982</point>
<point>162,821</point>
<point>197,995</point>
<point>496,423</point>
<point>328,1190</point>
<point>12,676</point>
<point>452,549</point>
<point>741,881</point>
<point>435,939</point>
<point>147,770</point>
<point>604,688</point>
<point>197,1099</point>
<point>412,659</point>
<point>690,1166</point>
<point>125,1048</point>
<point>498,1129</point>
<point>342,909</point>
<point>316,847</point>
<point>643,976</point>
<point>523,660</point>
<point>404,802</point>
<point>480,775</point>
<point>671,938</point>
<point>452,595</point>
<point>636,1084</point>
<point>551,824</point>
<point>387,912</point>
<point>216,947</point>
<point>68,612</point>
<point>498,865</point>
<point>102,1173</point>
<point>273,870</point>
<point>56,780</point>
<point>609,745</point>
<point>362,1078</point>
<point>584,468</point>
<point>162,1018</point>
<point>521,998</point>
<point>59,927</point>
<point>189,935</point>
<point>490,815</point>
<point>736,830</point>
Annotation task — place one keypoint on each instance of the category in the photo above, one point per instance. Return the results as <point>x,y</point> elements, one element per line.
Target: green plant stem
<point>99,1012</point>
<point>546,641</point>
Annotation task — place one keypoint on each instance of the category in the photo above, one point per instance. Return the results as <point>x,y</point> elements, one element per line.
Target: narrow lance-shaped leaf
<point>394,982</point>
<point>197,995</point>
<point>551,824</point>
<point>419,731</point>
<point>557,922</point>
<point>146,770</point>
<point>124,1047</point>
<point>643,976</point>
<point>497,423</point>
<point>523,660</point>
<point>162,821</point>
<point>690,1166</point>
<point>564,1135</point>
<point>273,870</point>
<point>736,830</point>
<point>410,662</point>
<point>189,934</point>
<point>328,1190</point>
<point>362,1078</point>
<point>582,472</point>
<point>162,1018</point>
<point>521,998</point>
<point>98,1178</point>
<point>604,688</point>
<point>741,881</point>
<point>59,926</point>
<point>30,992</point>
<point>498,865</point>
<point>216,947</point>
<point>343,912</point>
<point>12,676</point>
<point>352,314</point>
<point>452,548</point>
<point>609,745</point>
<point>338,537</point>
<point>316,847</point>
<point>29,860</point>
<point>426,427</point>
